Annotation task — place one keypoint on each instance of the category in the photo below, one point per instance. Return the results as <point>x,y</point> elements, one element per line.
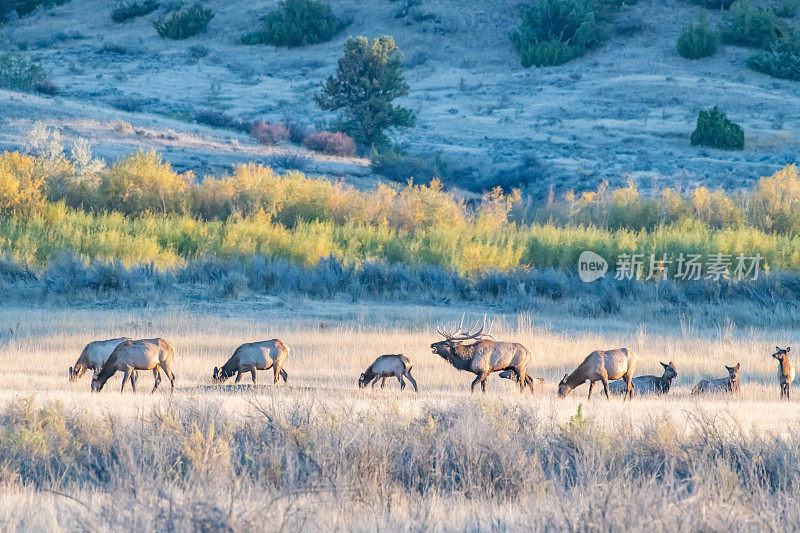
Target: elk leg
<point>591,386</point>
<point>276,374</point>
<point>374,381</point>
<point>522,378</point>
<point>480,379</point>
<point>238,376</point>
<point>628,391</point>
<point>412,380</point>
<point>125,379</point>
<point>157,378</point>
<point>253,373</point>
<point>605,387</point>
<point>284,375</point>
<point>383,382</point>
<point>399,376</point>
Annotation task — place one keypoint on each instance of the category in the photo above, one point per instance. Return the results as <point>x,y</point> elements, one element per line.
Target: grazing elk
<point>484,356</point>
<point>602,365</point>
<point>529,380</point>
<point>785,370</point>
<point>254,356</point>
<point>93,356</point>
<point>727,385</point>
<point>648,384</point>
<point>385,366</point>
<point>130,355</point>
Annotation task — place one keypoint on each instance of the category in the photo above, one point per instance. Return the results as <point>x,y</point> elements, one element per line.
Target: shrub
<point>369,77</point>
<point>749,25</point>
<point>714,4</point>
<point>132,10</point>
<point>330,143</point>
<point>21,184</point>
<point>19,73</point>
<point>786,10</point>
<point>47,87</point>
<point>715,130</point>
<point>297,23</point>
<point>697,41</point>
<point>267,133</point>
<point>25,7</point>
<point>781,61</point>
<point>186,23</point>
<point>216,119</point>
<point>553,32</point>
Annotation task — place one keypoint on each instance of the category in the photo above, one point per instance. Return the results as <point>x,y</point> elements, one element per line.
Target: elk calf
<point>385,366</point>
<point>648,384</point>
<point>785,370</point>
<point>725,385</point>
<point>602,365</point>
<point>529,381</point>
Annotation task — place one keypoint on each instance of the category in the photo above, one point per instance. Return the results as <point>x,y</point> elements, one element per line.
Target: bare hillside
<point>625,110</point>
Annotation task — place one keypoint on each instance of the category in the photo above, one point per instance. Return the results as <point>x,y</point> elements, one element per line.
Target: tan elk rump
<point>93,356</point>
<point>603,366</point>
<point>385,366</point>
<point>729,384</point>
<point>253,356</point>
<point>144,354</point>
<point>484,356</point>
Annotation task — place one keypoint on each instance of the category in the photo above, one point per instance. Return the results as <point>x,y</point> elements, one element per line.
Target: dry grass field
<point>321,454</point>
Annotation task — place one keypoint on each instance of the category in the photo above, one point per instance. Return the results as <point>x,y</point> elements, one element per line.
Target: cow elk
<point>254,356</point>
<point>785,370</point>
<point>648,384</point>
<point>604,366</point>
<point>93,356</point>
<point>729,384</point>
<point>385,366</point>
<point>145,354</point>
<point>484,356</point>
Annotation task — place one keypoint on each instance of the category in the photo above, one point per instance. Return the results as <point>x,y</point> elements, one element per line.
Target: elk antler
<point>473,333</point>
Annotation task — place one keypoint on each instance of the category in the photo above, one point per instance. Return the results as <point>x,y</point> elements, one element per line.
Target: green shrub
<point>19,73</point>
<point>132,10</point>
<point>715,130</point>
<point>782,60</point>
<point>186,23</point>
<point>25,7</point>
<point>553,32</point>
<point>368,78</point>
<point>297,23</point>
<point>749,25</point>
<point>698,41</point>
<point>786,10</point>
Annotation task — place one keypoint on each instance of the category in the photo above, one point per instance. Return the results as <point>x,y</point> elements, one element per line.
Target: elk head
<point>74,373</point>
<point>669,370</point>
<point>97,386</point>
<point>363,380</point>
<point>781,353</point>
<point>733,371</point>
<point>216,377</point>
<point>563,388</point>
<point>446,348</point>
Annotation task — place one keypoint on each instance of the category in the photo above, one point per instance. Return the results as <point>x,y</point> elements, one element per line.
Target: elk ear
<point>564,379</point>
<point>788,349</point>
<point>737,366</point>
<point>777,348</point>
<point>664,365</point>
<point>70,371</point>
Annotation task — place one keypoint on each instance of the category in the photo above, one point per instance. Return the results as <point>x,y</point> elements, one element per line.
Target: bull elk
<point>93,356</point>
<point>785,370</point>
<point>483,357</point>
<point>648,384</point>
<point>729,384</point>
<point>602,365</point>
<point>129,355</point>
<point>254,356</point>
<point>385,366</point>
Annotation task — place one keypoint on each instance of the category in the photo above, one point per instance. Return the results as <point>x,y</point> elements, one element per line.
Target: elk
<point>648,384</point>
<point>93,356</point>
<point>254,356</point>
<point>602,365</point>
<point>484,356</point>
<point>385,366</point>
<point>130,355</point>
<point>529,380</point>
<point>785,370</point>
<point>729,384</point>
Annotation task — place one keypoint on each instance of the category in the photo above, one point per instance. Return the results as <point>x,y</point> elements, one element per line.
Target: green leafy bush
<point>19,73</point>
<point>698,40</point>
<point>369,77</point>
<point>553,32</point>
<point>749,25</point>
<point>185,23</point>
<point>297,23</point>
<point>782,61</point>
<point>715,130</point>
<point>25,7</point>
<point>132,10</point>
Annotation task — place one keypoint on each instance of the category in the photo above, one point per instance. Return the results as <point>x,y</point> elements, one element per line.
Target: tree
<point>368,78</point>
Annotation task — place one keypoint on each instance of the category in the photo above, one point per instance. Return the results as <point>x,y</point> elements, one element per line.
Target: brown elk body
<point>385,366</point>
<point>254,356</point>
<point>603,366</point>
<point>785,370</point>
<point>93,356</point>
<point>647,384</point>
<point>144,354</point>
<point>484,356</point>
<point>729,384</point>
